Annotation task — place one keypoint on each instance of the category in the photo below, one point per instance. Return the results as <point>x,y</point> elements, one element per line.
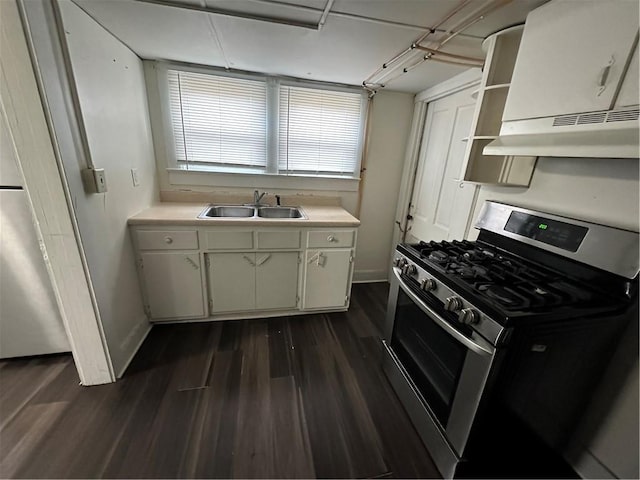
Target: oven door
<point>438,369</point>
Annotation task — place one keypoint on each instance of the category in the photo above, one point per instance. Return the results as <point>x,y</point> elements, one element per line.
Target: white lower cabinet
<point>173,285</point>
<point>241,282</point>
<point>327,278</point>
<point>243,271</point>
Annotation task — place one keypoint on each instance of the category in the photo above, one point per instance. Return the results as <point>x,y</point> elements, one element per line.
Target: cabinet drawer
<point>278,240</point>
<point>229,240</point>
<point>330,238</point>
<point>167,240</point>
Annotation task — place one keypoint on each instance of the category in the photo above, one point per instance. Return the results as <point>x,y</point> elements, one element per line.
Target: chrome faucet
<point>257,196</point>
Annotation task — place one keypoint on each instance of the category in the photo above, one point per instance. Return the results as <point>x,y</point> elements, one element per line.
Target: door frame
<point>39,160</point>
<point>467,79</point>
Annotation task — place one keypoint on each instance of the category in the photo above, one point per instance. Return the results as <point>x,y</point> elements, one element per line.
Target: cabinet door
<point>571,58</point>
<point>327,277</point>
<point>232,281</point>
<point>173,284</point>
<point>276,280</point>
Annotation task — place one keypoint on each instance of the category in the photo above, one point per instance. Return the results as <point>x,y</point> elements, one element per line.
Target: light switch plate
<point>100,180</point>
<point>94,180</point>
<point>134,177</point>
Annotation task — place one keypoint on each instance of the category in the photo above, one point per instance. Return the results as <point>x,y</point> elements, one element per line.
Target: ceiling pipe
<point>325,14</point>
<point>454,11</point>
<point>452,56</point>
<point>495,6</point>
<point>456,30</point>
<point>444,19</point>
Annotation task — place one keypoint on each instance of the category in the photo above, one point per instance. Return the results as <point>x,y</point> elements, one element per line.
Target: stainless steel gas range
<point>494,346</point>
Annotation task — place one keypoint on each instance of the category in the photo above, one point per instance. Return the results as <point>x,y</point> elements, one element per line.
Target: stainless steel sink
<point>280,212</point>
<point>228,211</point>
<point>238,211</point>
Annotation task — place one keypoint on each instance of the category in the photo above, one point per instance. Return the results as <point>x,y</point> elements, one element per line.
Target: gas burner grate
<point>506,281</point>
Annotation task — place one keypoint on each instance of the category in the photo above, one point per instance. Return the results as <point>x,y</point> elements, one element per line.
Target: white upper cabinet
<point>572,58</point>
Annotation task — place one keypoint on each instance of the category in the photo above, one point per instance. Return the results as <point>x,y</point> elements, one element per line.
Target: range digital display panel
<point>552,232</point>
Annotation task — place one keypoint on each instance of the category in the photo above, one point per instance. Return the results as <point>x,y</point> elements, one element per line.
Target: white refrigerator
<point>30,323</point>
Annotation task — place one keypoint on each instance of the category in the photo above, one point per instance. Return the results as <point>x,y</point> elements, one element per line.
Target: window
<point>218,120</point>
<point>263,125</point>
<point>319,131</point>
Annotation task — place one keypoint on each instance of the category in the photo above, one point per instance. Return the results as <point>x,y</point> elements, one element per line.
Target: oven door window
<point>433,358</point>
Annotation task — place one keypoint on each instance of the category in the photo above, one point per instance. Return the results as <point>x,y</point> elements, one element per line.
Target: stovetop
<point>509,285</point>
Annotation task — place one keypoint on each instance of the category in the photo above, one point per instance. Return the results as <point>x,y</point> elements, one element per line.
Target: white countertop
<point>187,214</point>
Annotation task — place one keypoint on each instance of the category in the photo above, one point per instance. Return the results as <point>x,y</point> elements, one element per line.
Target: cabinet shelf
<point>483,137</point>
<point>502,49</point>
<point>497,87</point>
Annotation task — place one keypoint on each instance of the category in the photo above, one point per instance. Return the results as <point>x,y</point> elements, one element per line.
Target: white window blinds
<point>218,120</point>
<point>319,131</point>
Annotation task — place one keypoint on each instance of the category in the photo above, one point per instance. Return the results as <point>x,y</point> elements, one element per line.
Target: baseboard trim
<point>121,372</point>
<point>370,276</point>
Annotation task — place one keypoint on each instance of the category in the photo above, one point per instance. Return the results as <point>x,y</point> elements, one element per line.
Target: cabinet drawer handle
<point>318,258</point>
<point>331,238</point>
<point>263,259</point>
<point>192,263</point>
<point>168,240</point>
<point>249,260</point>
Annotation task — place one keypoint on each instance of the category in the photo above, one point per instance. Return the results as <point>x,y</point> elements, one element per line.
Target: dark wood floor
<point>294,397</point>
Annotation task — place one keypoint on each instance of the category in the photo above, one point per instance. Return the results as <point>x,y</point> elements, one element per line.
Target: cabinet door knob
<point>331,238</point>
<point>168,240</point>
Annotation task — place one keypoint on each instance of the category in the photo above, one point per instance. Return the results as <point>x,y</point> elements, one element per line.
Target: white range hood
<point>607,134</point>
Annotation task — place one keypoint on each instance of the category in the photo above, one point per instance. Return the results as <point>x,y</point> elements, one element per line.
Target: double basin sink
<point>246,211</point>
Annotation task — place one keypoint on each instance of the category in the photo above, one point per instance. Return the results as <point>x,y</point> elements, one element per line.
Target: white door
<point>276,280</point>
<point>441,203</point>
<point>173,284</point>
<point>232,281</point>
<point>326,280</point>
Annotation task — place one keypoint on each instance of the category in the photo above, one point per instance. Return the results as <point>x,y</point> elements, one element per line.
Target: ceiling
<point>282,37</point>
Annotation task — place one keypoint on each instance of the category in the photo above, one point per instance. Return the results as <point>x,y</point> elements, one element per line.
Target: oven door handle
<point>479,347</point>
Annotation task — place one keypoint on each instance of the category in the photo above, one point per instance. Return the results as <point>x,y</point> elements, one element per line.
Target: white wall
<point>599,190</point>
<point>603,191</point>
<point>112,95</point>
<point>390,126</point>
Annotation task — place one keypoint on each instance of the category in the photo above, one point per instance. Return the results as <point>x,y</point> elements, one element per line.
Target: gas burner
<point>465,271</point>
<point>438,257</point>
<point>478,255</point>
<point>504,295</point>
<point>468,271</point>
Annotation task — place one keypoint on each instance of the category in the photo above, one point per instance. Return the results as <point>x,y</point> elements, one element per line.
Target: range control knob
<point>399,262</point>
<point>428,284</point>
<point>410,270</point>
<point>452,304</point>
<point>468,316</point>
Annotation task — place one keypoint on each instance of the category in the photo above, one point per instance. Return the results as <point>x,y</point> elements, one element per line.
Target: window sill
<point>204,177</point>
